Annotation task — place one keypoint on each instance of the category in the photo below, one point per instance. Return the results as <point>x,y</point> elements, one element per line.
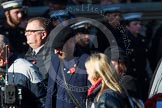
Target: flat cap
<point>11,4</point>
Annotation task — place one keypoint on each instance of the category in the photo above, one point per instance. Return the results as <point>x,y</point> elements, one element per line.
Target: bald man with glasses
<point>36,33</point>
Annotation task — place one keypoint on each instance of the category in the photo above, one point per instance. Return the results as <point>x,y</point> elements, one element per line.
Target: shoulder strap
<point>75,101</point>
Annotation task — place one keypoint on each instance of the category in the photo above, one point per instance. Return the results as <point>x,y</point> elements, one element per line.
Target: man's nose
<point>20,14</point>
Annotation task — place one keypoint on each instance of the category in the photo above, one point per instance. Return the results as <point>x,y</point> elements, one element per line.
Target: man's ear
<point>6,13</point>
<point>44,35</point>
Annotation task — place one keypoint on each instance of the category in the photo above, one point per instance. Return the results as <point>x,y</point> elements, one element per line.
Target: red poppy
<point>71,70</point>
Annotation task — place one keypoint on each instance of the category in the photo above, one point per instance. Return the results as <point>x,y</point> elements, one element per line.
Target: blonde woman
<point>105,91</point>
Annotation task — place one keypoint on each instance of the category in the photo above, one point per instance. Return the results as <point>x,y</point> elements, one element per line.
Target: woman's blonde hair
<point>101,69</point>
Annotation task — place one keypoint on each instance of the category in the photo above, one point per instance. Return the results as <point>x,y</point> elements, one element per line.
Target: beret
<point>11,4</point>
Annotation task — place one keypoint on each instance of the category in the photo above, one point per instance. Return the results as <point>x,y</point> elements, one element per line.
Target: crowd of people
<point>59,60</point>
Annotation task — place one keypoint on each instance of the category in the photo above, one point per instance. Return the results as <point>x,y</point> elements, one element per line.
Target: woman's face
<point>134,27</point>
<point>90,74</point>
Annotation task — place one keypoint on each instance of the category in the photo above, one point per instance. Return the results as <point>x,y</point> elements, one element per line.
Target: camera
<point>11,96</point>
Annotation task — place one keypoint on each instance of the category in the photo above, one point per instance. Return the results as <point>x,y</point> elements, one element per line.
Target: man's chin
<point>18,22</point>
<point>30,44</point>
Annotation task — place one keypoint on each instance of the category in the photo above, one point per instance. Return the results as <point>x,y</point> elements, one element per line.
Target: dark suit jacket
<point>57,96</point>
<point>41,60</point>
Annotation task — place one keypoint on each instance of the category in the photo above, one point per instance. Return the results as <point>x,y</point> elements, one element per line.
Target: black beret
<point>116,54</point>
<point>59,41</point>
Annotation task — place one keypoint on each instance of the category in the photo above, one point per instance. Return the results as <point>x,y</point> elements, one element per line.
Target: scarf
<point>90,90</point>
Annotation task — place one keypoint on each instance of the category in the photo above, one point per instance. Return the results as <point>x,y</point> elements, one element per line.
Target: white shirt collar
<point>37,49</point>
